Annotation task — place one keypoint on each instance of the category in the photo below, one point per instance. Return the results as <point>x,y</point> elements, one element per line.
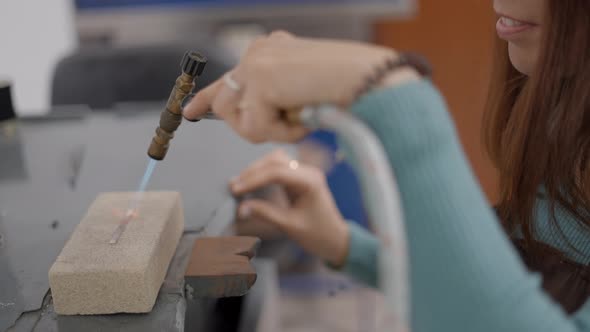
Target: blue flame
<point>149,170</point>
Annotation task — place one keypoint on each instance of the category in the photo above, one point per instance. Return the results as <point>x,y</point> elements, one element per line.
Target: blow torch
<point>375,174</point>
<point>192,66</point>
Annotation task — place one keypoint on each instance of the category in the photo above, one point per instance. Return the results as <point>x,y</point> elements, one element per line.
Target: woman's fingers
<point>275,168</point>
<point>272,175</point>
<point>283,131</point>
<point>201,102</point>
<point>256,116</point>
<point>258,127</point>
<point>281,34</point>
<point>277,156</point>
<point>221,97</point>
<point>261,121</point>
<point>265,211</point>
<point>225,106</point>
<point>244,108</point>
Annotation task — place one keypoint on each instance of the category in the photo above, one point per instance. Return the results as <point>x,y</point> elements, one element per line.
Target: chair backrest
<point>6,107</point>
<point>102,77</point>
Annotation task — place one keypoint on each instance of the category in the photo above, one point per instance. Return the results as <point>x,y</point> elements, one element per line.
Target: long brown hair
<point>537,128</point>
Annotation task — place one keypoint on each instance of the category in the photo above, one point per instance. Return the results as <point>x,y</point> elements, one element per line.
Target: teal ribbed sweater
<point>465,274</point>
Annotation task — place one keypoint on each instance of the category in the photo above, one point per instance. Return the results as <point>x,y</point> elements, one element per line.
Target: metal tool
<point>225,214</point>
<point>382,201</point>
<point>192,66</point>
<point>289,116</point>
<point>121,228</point>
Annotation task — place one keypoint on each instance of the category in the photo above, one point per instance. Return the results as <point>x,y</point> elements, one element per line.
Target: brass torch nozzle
<point>192,66</point>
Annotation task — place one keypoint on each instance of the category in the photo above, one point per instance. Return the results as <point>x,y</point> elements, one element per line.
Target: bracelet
<point>416,61</point>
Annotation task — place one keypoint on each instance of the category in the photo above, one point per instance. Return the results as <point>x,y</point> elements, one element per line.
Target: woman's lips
<point>508,27</point>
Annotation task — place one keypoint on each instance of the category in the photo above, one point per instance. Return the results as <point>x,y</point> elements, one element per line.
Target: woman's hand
<point>283,72</point>
<point>311,217</point>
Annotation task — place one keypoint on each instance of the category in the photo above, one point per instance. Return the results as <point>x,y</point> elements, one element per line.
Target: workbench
<point>53,167</point>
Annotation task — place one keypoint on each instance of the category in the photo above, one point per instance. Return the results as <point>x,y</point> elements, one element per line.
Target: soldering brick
<point>92,276</point>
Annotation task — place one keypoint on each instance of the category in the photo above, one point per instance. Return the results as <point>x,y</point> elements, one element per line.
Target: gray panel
<point>202,158</point>
<point>35,213</point>
<point>65,164</point>
<point>11,304</point>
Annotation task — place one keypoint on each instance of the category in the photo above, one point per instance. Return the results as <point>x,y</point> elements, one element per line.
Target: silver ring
<point>293,164</point>
<point>231,82</point>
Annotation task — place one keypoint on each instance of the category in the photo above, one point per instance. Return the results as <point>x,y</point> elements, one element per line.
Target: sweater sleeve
<point>465,274</point>
<point>361,262</point>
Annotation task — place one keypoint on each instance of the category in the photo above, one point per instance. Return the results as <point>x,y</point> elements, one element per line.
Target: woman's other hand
<point>283,72</point>
<point>311,217</point>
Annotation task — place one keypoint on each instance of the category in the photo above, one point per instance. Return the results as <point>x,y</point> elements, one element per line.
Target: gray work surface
<point>52,169</point>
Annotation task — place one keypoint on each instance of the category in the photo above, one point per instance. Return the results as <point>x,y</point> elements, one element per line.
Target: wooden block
<point>92,276</point>
<point>220,266</point>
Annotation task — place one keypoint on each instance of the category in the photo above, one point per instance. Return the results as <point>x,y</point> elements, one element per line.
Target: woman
<point>465,272</point>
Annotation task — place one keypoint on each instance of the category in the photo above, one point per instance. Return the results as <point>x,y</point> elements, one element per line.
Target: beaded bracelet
<point>416,61</point>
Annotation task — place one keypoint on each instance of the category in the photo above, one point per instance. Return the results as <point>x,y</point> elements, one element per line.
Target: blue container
<point>342,180</point>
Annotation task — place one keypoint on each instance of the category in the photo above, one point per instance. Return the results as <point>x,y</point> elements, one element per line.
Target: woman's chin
<point>522,59</point>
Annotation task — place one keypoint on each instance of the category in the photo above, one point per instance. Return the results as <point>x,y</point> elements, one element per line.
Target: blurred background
<point>36,36</point>
<point>102,54</point>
